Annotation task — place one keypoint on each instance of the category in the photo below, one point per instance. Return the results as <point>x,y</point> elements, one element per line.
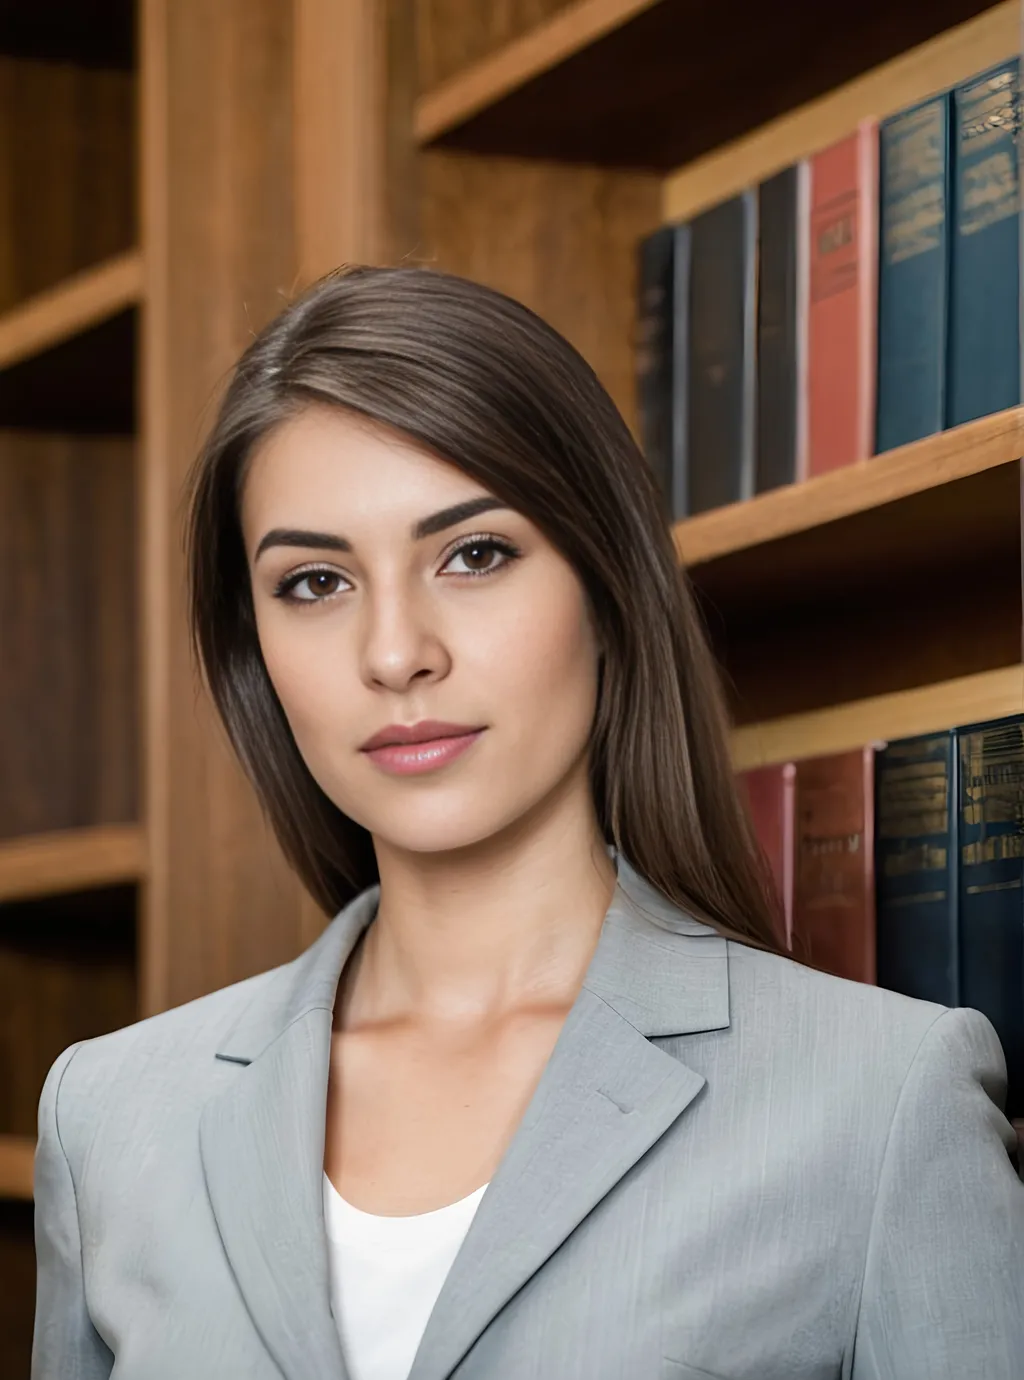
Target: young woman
<point>544,1101</point>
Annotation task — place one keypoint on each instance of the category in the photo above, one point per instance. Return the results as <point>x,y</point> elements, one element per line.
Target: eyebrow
<point>426,527</point>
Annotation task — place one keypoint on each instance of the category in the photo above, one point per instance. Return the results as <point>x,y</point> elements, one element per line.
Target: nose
<point>400,639</point>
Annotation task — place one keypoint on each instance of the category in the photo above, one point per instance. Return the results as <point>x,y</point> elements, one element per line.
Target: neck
<point>471,936</point>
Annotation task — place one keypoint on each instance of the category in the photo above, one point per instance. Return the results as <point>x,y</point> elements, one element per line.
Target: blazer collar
<point>605,1097</point>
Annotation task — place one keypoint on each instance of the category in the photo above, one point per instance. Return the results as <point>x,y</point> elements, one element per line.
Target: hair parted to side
<point>484,383</point>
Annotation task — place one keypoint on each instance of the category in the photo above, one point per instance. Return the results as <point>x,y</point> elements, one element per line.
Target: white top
<point>386,1274</point>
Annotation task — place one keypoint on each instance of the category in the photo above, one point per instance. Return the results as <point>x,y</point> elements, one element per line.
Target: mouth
<point>406,759</point>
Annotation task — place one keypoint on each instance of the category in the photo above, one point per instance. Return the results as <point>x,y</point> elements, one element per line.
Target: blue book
<point>913,273</point>
<point>984,306</point>
<point>916,819</point>
<point>991,788</point>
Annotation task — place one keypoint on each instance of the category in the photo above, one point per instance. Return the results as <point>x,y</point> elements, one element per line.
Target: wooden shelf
<point>17,1165</point>
<point>74,306</point>
<point>926,709</point>
<point>629,83</point>
<point>898,474</point>
<point>71,860</point>
<point>924,71</point>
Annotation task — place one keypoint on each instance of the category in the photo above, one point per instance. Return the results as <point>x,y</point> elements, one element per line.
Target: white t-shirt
<point>386,1274</point>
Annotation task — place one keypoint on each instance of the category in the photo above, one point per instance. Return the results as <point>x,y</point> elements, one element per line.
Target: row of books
<point>854,302</point>
<point>902,864</point>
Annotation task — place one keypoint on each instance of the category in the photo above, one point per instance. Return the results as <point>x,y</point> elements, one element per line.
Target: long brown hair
<point>483,382</point>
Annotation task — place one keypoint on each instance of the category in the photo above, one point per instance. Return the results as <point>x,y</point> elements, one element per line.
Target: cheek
<point>308,673</point>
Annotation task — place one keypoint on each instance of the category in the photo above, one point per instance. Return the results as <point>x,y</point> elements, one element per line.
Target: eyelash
<point>285,587</point>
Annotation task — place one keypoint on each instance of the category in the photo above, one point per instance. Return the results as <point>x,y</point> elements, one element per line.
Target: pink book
<point>842,310</point>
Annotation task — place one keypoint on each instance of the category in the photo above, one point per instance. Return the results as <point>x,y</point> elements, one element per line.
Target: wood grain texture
<point>71,860</point>
<point>72,306</point>
<point>68,695</point>
<point>842,727</point>
<point>560,239</point>
<point>453,35</point>
<point>218,217</point>
<point>912,469</point>
<point>67,973</point>
<point>913,76</point>
<point>67,181</point>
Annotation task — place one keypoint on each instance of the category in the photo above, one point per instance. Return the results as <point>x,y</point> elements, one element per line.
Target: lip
<point>422,754</point>
<point>426,731</point>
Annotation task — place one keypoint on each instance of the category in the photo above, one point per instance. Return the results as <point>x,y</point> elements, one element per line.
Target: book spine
<point>776,440</point>
<point>834,884</point>
<point>770,795</point>
<point>984,340</point>
<point>721,361</point>
<point>803,309</point>
<point>913,273</point>
<point>680,477</point>
<point>916,818</point>
<point>655,329</point>
<point>991,758</point>
<point>843,305</point>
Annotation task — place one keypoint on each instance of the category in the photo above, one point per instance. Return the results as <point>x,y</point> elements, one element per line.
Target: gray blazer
<point>733,1166</point>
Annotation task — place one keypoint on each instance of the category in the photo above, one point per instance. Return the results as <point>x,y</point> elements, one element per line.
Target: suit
<point>733,1168</point>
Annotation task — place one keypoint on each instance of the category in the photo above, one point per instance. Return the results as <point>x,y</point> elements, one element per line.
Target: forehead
<point>327,463</point>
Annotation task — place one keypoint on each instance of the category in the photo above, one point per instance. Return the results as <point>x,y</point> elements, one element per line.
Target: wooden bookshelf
<point>72,307</point>
<point>71,860</point>
<point>17,1164</point>
<point>915,469</point>
<point>839,728</point>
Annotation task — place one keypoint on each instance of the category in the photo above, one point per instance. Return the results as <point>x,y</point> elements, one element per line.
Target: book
<point>916,820</point>
<point>991,787</point>
<point>834,883</point>
<point>842,311</point>
<point>984,306</point>
<point>770,795</point>
<point>913,273</point>
<point>718,467</point>
<point>663,273</point>
<point>777,438</point>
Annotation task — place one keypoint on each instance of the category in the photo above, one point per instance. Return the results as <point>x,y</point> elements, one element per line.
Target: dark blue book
<point>663,271</point>
<point>984,306</point>
<point>913,273</point>
<point>778,330</point>
<point>991,757</point>
<point>720,359</point>
<point>916,819</point>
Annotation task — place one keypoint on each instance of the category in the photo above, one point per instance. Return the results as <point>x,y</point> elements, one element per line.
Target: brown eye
<point>478,556</point>
<point>309,586</point>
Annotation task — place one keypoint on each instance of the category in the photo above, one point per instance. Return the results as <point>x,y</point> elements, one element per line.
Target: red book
<point>843,253</point>
<point>770,797</point>
<point>834,884</point>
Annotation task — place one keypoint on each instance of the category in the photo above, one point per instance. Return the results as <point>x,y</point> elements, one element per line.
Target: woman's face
<point>390,588</point>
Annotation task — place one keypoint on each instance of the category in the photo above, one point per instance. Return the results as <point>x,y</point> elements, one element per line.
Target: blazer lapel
<point>606,1096</point>
<point>262,1147</point>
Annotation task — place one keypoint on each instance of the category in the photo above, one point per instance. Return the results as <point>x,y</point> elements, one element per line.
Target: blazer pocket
<point>678,1370</point>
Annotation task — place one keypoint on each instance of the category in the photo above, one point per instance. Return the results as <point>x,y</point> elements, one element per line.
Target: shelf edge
<point>926,464</point>
<point>902,714</point>
<point>71,859</point>
<point>69,308</point>
<point>17,1167</point>
<point>484,83</point>
<point>913,76</point>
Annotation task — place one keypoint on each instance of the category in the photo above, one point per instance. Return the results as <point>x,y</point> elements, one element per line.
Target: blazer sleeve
<point>943,1288</point>
<point>65,1345</point>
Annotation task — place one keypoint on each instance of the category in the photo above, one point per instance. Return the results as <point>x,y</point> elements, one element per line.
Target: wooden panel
<point>67,626</point>
<point>679,79</point>
<point>17,1155</point>
<point>932,67</point>
<point>220,261</point>
<point>561,240</point>
<point>18,1295</point>
<point>520,37</point>
<point>72,306</point>
<point>71,859</point>
<point>67,973</point>
<point>67,180</point>
<point>839,728</point>
<point>913,469</point>
<point>86,384</point>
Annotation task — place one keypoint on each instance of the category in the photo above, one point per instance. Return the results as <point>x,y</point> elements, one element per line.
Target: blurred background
<point>787,238</point>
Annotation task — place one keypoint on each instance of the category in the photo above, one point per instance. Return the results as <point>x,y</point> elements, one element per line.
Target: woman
<point>545,1100</point>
